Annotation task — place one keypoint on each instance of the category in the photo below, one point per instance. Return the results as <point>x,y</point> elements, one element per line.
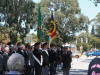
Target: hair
<point>52,45</point>
<point>9,43</point>
<point>27,46</point>
<point>44,44</point>
<point>16,62</point>
<point>36,44</point>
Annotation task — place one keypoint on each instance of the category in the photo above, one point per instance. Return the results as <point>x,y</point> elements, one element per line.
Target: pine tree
<point>93,30</point>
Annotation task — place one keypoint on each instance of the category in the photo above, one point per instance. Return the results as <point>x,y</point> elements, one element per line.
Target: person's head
<point>16,62</point>
<point>23,47</point>
<point>45,45</point>
<point>19,45</point>
<point>32,48</point>
<point>9,43</point>
<point>66,48</point>
<point>52,45</point>
<point>6,49</point>
<point>28,46</point>
<point>15,48</point>
<point>37,45</point>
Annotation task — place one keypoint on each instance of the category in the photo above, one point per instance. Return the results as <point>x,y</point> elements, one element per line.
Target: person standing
<point>38,58</point>
<point>45,67</point>
<point>5,58</point>
<point>66,59</point>
<point>52,59</point>
<point>31,60</point>
<point>1,64</point>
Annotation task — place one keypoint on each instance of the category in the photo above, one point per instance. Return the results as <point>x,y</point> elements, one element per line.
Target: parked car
<point>76,54</point>
<point>93,53</point>
<point>89,53</point>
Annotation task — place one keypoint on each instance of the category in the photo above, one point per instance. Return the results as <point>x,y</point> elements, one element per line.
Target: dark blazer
<point>45,58</point>
<point>52,56</point>
<point>1,52</point>
<point>37,52</point>
<point>5,58</point>
<point>1,63</point>
<point>38,69</point>
<point>31,58</point>
<point>67,59</point>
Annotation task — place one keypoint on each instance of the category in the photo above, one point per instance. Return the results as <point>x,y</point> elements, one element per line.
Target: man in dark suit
<point>38,61</point>
<point>1,60</point>
<point>66,59</point>
<point>1,64</point>
<point>5,58</point>
<point>31,60</point>
<point>52,59</point>
<point>45,67</point>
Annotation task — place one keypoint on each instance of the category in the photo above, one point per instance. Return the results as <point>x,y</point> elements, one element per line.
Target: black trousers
<point>66,71</point>
<point>38,70</point>
<point>52,69</point>
<point>1,72</point>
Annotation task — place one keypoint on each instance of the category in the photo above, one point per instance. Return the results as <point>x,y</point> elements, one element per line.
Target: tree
<point>18,16</point>
<point>93,30</point>
<point>97,25</point>
<point>21,15</point>
<point>68,19</point>
<point>93,41</point>
<point>3,34</point>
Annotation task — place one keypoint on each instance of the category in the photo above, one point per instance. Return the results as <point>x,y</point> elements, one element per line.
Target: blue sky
<point>88,8</point>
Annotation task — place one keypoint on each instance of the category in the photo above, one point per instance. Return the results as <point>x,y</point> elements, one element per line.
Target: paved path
<point>79,66</point>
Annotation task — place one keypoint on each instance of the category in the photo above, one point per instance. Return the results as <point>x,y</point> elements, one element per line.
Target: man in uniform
<point>38,58</point>
<point>45,67</point>
<point>66,59</point>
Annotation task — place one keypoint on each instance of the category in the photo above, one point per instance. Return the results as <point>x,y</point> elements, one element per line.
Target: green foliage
<point>96,22</point>
<point>68,19</point>
<point>93,30</point>
<point>3,31</point>
<point>78,46</point>
<point>67,15</point>
<point>93,42</point>
<point>19,39</point>
<point>18,16</point>
<point>86,46</point>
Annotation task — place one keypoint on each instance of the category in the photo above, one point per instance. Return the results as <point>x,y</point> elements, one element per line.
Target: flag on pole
<point>52,33</point>
<point>39,30</point>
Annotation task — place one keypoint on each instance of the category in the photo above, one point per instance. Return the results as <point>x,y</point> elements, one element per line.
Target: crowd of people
<point>38,59</point>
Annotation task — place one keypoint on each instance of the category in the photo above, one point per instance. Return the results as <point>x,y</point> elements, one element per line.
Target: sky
<point>37,1</point>
<point>88,8</point>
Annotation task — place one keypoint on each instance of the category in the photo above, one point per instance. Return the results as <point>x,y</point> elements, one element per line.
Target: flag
<point>39,30</point>
<point>52,33</point>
